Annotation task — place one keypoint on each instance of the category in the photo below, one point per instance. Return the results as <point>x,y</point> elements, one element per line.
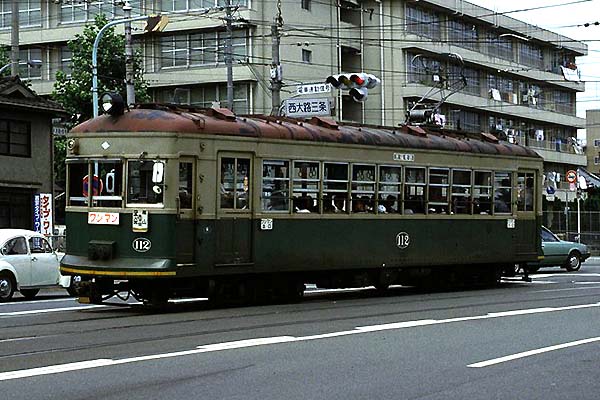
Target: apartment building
<point>521,80</point>
<point>592,133</point>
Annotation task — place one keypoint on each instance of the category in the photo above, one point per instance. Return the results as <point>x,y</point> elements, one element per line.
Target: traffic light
<point>156,23</point>
<point>357,84</point>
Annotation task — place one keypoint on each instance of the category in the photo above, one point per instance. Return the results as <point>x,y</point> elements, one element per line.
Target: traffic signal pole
<point>95,57</point>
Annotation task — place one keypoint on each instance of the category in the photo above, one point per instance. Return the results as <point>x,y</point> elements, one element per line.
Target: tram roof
<point>161,118</point>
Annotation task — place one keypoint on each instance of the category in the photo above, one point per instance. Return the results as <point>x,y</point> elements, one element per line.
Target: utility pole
<point>229,55</point>
<point>276,70</point>
<point>14,39</point>
<point>130,88</point>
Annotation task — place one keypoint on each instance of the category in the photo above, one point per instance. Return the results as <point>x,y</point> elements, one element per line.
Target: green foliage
<point>4,59</point>
<point>74,92</point>
<point>592,203</point>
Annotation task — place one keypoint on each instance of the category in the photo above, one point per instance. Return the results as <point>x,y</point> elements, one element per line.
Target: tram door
<point>527,235</point>
<point>234,210</point>
<point>186,218</point>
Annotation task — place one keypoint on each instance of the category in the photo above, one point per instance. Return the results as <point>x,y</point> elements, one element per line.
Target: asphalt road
<point>538,340</point>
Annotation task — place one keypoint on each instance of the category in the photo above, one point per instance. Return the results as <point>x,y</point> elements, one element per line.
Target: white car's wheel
<point>7,286</point>
<point>29,293</point>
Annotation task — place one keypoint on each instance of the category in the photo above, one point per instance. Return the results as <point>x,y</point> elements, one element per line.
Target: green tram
<point>190,202</point>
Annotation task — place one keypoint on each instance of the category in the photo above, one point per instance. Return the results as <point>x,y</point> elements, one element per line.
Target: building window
<point>204,96</point>
<point>66,60</point>
<point>15,138</point>
<point>531,55</point>
<point>188,5</point>
<point>596,142</point>
<point>465,120</point>
<point>201,49</point>
<point>422,22</point>
<point>306,56</point>
<point>596,160</point>
<point>173,51</point>
<point>421,69</point>
<point>238,45</point>
<point>78,11</point>
<point>471,75</point>
<point>306,5</point>
<point>30,14</point>
<point>497,46</point>
<point>30,63</point>
<point>463,34</point>
<point>15,208</point>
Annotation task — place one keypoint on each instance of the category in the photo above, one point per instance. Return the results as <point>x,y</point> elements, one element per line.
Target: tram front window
<point>102,179</point>
<point>108,191</point>
<point>77,191</point>
<point>145,181</point>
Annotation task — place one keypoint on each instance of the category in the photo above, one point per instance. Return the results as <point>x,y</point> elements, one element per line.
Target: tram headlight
<point>113,104</point>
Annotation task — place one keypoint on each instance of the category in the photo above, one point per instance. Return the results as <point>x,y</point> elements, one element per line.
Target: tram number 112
<point>402,240</point>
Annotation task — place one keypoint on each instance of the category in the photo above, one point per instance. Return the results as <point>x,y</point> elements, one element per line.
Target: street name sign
<point>307,107</point>
<point>314,88</point>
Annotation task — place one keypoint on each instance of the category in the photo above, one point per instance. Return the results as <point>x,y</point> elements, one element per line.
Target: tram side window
<point>77,192</point>
<point>276,185</point>
<point>461,192</point>
<point>186,188</point>
<point>235,183</point>
<point>525,187</point>
<point>108,191</point>
<point>306,180</point>
<point>414,191</point>
<point>502,193</point>
<point>145,182</point>
<point>482,192</point>
<point>390,189</point>
<point>438,191</point>
<point>363,188</point>
<point>335,188</point>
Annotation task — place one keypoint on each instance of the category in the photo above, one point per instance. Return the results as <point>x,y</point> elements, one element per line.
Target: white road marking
<point>18,339</point>
<point>565,289</point>
<point>559,274</point>
<point>516,356</point>
<point>266,341</point>
<point>37,301</point>
<point>47,310</point>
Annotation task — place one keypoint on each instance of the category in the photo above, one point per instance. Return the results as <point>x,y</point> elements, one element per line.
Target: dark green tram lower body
<point>187,257</point>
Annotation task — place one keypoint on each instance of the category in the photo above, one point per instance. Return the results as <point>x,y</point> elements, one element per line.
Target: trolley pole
<point>229,55</point>
<point>130,88</point>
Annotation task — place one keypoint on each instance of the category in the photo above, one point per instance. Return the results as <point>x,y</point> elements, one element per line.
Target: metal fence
<point>58,242</point>
<point>565,226</point>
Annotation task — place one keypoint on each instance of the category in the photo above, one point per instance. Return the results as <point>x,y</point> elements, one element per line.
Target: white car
<point>27,264</point>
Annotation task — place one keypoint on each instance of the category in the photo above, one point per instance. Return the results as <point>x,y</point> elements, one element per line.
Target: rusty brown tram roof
<point>155,118</point>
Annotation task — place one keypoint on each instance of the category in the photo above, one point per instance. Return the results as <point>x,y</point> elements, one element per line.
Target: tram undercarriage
<point>265,288</point>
